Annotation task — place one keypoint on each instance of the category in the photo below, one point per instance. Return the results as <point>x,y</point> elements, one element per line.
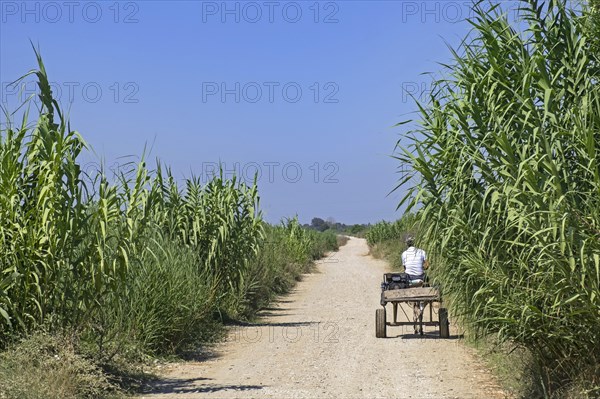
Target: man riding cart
<point>410,287</point>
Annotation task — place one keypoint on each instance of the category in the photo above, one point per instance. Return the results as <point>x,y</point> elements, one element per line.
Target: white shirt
<point>412,260</point>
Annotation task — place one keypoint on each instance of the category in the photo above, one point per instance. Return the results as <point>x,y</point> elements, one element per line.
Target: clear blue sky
<point>154,72</point>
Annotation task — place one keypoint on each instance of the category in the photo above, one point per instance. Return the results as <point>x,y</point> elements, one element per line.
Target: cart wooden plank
<point>412,294</point>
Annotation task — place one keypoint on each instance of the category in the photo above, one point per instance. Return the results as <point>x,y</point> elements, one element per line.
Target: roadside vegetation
<point>506,186</point>
<point>386,240</point>
<point>102,272</point>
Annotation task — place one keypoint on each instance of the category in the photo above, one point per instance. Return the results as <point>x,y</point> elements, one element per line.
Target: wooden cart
<point>423,295</point>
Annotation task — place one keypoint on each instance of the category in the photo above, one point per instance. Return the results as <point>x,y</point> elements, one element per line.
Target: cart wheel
<point>444,324</point>
<point>380,326</point>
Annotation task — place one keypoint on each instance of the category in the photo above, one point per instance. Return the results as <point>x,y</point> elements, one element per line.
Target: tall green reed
<point>72,244</point>
<point>509,184</point>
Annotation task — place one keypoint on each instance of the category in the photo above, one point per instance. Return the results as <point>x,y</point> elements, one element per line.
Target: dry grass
<point>342,240</point>
<point>46,366</point>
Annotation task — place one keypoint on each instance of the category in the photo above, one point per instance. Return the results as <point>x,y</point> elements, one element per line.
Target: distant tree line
<point>330,224</point>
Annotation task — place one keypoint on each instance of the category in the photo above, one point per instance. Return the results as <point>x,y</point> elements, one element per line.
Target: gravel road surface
<point>319,342</point>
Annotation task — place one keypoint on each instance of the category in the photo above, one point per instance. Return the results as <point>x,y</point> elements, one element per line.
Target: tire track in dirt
<point>319,342</point>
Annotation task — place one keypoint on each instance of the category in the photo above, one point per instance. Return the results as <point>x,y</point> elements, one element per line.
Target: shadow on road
<point>201,354</point>
<point>430,335</point>
<point>189,385</point>
<point>275,324</point>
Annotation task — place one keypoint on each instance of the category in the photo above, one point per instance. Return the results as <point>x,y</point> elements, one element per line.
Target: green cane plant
<point>508,192</point>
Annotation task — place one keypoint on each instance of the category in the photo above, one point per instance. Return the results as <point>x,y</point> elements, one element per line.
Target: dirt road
<point>319,342</point>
